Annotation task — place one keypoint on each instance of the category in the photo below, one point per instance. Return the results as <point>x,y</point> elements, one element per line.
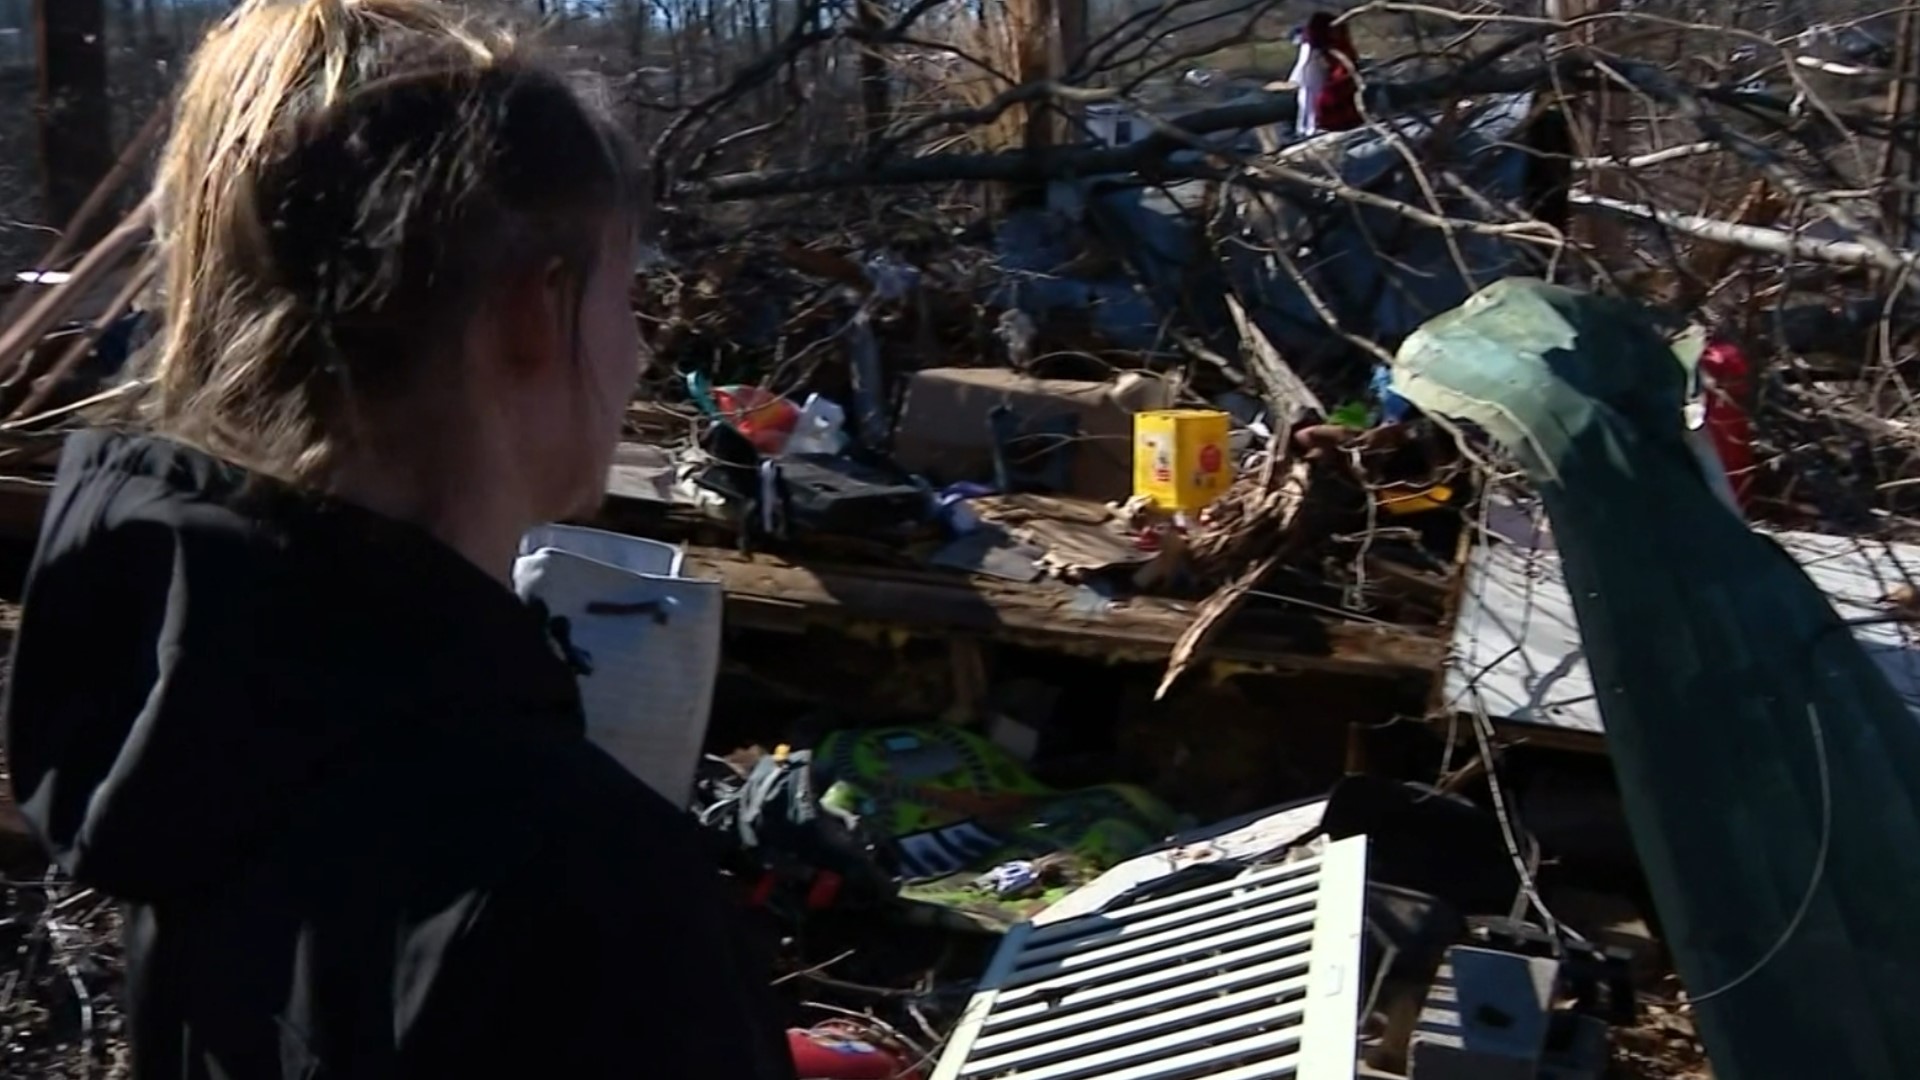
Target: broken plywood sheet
<point>1516,642</point>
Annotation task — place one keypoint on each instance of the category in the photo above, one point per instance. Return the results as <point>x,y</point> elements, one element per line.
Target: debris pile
<point>1079,626</point>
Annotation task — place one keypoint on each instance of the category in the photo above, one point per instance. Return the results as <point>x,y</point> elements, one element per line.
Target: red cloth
<point>1729,427</point>
<point>1337,106</point>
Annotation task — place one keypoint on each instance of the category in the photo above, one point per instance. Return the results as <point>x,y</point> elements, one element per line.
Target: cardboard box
<point>945,432</point>
<point>1181,460</point>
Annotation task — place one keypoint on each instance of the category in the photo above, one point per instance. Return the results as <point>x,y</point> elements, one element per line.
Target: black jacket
<point>341,778</point>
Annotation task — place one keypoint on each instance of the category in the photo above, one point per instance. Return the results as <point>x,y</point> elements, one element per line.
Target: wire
<point>1813,880</point>
<point>1504,813</point>
<point>1482,731</point>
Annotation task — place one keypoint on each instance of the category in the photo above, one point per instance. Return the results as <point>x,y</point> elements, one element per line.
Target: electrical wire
<point>1813,880</point>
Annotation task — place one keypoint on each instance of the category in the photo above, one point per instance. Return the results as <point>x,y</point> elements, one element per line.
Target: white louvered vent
<point>1245,979</point>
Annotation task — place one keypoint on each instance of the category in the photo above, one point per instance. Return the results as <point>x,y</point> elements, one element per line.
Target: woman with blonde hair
<point>271,687</point>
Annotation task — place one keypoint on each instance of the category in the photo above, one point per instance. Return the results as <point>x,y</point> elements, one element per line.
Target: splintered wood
<point>1287,396</point>
<point>1253,526</point>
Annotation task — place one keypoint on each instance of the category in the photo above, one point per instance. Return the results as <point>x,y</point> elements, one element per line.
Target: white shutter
<point>1244,979</point>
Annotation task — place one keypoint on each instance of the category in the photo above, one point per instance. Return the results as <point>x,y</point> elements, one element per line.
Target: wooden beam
<point>770,593</point>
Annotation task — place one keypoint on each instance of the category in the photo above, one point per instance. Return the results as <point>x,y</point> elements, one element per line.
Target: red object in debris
<point>827,1054</point>
<point>822,890</point>
<point>764,417</point>
<point>1729,379</point>
<point>1337,106</point>
<point>1210,461</point>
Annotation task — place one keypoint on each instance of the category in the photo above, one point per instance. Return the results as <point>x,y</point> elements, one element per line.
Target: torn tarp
<point>1771,774</point>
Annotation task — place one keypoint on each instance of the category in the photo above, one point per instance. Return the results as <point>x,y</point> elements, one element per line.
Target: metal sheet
<point>1516,648</point>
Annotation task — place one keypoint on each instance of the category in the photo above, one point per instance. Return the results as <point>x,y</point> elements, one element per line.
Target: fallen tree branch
<point>1650,159</point>
<point>1766,241</point>
<point>1659,85</point>
<point>1149,156</point>
<point>1288,397</point>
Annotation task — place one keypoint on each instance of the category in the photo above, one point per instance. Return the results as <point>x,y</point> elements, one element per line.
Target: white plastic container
<point>649,634</point>
<point>820,429</point>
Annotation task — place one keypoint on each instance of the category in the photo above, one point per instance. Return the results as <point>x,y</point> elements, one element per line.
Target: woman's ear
<point>534,314</point>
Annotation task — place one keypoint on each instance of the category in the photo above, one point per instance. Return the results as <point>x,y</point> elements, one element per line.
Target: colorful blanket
<point>958,808</point>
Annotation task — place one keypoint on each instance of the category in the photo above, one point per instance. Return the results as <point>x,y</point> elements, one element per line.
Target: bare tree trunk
<point>636,31</point>
<point>1897,168</point>
<point>676,44</point>
<point>1073,31</point>
<point>76,136</point>
<point>1599,124</point>
<point>874,106</point>
<point>710,29</point>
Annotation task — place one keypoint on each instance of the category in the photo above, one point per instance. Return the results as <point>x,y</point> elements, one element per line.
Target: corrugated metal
<point>1254,977</point>
<point>1516,643</point>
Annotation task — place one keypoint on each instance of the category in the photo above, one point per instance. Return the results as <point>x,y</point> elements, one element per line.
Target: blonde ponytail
<point>327,158</point>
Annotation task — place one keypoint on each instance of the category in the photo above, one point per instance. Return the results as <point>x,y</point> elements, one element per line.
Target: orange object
<point>764,417</point>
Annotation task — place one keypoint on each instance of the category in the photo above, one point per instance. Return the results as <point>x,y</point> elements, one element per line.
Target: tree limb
<point>1150,156</point>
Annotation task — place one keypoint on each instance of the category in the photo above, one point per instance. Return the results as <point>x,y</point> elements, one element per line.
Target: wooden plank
<point>20,336</point>
<point>770,593</point>
<point>1287,396</point>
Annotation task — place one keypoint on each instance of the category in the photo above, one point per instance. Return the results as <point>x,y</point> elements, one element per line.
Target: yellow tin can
<point>1180,457</point>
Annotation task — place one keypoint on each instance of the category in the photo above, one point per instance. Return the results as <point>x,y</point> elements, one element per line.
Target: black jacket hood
<point>200,648</point>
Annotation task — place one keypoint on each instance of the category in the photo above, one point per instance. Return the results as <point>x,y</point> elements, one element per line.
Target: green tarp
<point>1770,773</point>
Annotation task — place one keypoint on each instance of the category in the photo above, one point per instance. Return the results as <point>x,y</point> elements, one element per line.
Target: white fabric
<point>650,690</point>
<point>1309,75</point>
